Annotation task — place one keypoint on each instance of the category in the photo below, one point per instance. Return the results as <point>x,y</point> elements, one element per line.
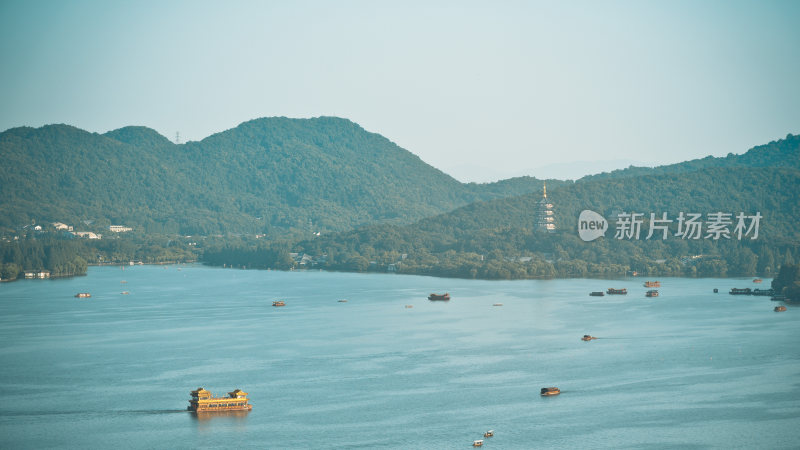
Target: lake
<point>688,369</point>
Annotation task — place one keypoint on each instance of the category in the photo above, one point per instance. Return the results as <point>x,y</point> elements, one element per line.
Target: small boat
<point>489,433</point>
<point>587,337</point>
<point>612,291</point>
<point>278,303</point>
<point>445,296</point>
<point>497,304</point>
<point>780,308</point>
<point>547,391</point>
<point>716,291</point>
<point>597,293</point>
<point>124,292</point>
<point>477,443</point>
<point>741,291</point>
<point>651,293</point>
<point>83,295</point>
<point>652,284</point>
<point>757,280</point>
<point>342,301</point>
<point>409,306</point>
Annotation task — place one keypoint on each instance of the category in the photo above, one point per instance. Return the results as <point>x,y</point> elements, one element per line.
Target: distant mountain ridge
<point>138,135</point>
<point>784,153</point>
<point>274,176</point>
<point>499,238</point>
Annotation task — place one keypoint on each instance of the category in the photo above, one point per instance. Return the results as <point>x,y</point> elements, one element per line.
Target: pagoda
<point>545,220</point>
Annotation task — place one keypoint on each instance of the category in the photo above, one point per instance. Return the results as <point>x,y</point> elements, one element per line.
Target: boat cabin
<point>477,443</point>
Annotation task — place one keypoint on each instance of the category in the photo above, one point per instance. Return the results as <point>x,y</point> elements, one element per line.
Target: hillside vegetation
<point>284,193</point>
<point>498,239</point>
<point>275,176</point>
<point>783,153</point>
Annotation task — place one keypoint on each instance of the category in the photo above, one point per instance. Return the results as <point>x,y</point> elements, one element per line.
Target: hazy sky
<point>480,90</point>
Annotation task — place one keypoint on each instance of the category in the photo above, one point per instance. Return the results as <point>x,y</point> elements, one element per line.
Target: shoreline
<point>141,263</point>
<point>588,276</point>
<point>138,263</point>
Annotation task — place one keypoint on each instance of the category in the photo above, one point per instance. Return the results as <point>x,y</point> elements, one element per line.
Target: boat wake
<point>91,412</point>
<point>154,411</point>
<point>639,338</point>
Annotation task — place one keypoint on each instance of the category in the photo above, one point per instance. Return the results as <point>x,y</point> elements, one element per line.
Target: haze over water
<point>689,369</point>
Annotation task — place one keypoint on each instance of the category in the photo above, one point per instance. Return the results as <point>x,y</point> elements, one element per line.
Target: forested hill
<point>784,153</point>
<point>276,176</point>
<point>497,239</point>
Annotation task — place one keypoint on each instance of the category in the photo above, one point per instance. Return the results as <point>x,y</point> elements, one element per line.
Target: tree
<point>357,264</point>
<point>10,271</point>
<point>788,282</point>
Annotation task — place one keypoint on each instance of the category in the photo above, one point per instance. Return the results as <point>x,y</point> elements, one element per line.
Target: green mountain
<point>375,205</point>
<point>274,176</point>
<point>498,239</point>
<point>783,153</point>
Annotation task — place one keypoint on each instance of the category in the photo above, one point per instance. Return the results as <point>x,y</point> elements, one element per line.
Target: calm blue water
<point>689,369</point>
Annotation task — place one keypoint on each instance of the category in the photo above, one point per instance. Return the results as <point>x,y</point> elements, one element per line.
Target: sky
<point>480,90</point>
